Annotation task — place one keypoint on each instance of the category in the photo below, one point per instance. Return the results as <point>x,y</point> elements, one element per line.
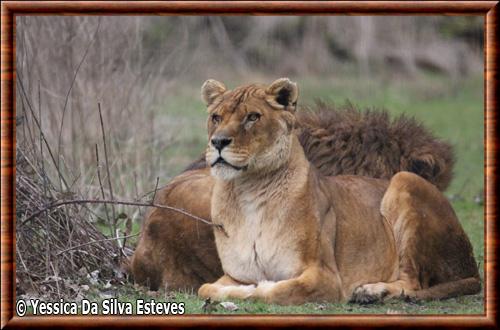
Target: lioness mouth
<point>222,161</point>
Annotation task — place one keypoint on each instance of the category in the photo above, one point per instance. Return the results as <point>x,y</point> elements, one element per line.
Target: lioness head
<point>250,127</point>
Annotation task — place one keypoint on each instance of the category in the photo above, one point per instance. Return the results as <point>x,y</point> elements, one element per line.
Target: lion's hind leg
<point>435,256</point>
<point>377,292</point>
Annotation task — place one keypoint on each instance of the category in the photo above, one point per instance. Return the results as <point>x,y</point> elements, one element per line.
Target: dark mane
<point>345,140</point>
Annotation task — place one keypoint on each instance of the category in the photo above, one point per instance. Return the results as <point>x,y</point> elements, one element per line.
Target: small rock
<point>91,279</point>
<point>320,307</point>
<point>479,199</point>
<point>230,306</point>
<point>106,295</point>
<point>456,198</point>
<point>52,278</point>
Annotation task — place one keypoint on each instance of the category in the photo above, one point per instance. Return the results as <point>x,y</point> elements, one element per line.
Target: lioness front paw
<point>220,292</point>
<point>262,291</point>
<point>369,294</point>
<point>207,291</point>
<point>238,291</point>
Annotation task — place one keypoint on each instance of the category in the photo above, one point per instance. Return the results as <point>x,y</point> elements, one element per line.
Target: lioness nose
<point>220,142</point>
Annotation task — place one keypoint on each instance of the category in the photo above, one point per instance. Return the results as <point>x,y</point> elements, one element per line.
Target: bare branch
<point>107,167</point>
<point>71,88</point>
<point>25,96</point>
<point>96,241</point>
<point>156,189</point>
<point>100,185</point>
<point>115,202</point>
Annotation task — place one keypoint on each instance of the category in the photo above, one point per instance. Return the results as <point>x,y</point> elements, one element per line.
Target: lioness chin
<point>292,235</point>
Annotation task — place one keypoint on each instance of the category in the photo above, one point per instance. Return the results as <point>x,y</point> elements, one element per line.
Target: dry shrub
<point>53,250</point>
<point>66,69</point>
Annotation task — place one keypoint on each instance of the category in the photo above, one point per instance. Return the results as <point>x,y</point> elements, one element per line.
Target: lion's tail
<point>466,286</point>
<point>349,141</point>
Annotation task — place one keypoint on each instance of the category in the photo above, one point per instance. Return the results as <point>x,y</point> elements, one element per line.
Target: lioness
<point>179,253</point>
<point>292,235</point>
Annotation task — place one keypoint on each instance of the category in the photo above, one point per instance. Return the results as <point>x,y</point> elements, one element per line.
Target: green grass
<point>195,305</point>
<point>451,108</point>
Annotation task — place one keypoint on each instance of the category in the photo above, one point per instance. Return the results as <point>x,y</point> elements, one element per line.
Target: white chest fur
<point>256,250</point>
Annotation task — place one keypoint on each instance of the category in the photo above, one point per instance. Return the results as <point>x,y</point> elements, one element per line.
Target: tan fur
<point>294,235</point>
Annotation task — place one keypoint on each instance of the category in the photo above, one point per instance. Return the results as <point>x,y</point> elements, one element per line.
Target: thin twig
<point>95,242</point>
<point>56,278</point>
<point>102,188</point>
<point>19,254</point>
<point>156,189</point>
<point>71,88</point>
<point>41,124</point>
<point>28,125</point>
<point>93,201</point>
<point>44,175</point>
<point>107,167</point>
<point>25,97</point>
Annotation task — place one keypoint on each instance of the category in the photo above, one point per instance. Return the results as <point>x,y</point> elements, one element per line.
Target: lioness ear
<point>283,92</point>
<point>210,90</point>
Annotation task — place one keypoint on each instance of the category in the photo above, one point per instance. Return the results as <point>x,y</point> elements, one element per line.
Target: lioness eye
<point>254,116</point>
<point>216,118</point>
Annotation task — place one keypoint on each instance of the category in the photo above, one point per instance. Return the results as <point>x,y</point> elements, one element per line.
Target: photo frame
<point>11,9</point>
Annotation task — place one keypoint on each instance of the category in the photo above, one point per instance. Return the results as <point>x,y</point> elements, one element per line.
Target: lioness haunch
<point>294,235</point>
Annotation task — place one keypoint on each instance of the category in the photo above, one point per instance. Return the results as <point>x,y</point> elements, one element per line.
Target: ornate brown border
<point>9,9</point>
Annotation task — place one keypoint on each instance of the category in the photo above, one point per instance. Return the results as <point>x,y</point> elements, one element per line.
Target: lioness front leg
<point>226,287</point>
<point>314,284</point>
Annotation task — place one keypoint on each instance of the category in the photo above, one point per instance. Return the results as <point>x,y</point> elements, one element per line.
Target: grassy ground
<point>194,305</point>
<point>451,108</point>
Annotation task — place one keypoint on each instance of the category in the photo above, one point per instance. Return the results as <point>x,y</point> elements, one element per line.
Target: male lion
<point>178,252</point>
<point>292,235</point>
